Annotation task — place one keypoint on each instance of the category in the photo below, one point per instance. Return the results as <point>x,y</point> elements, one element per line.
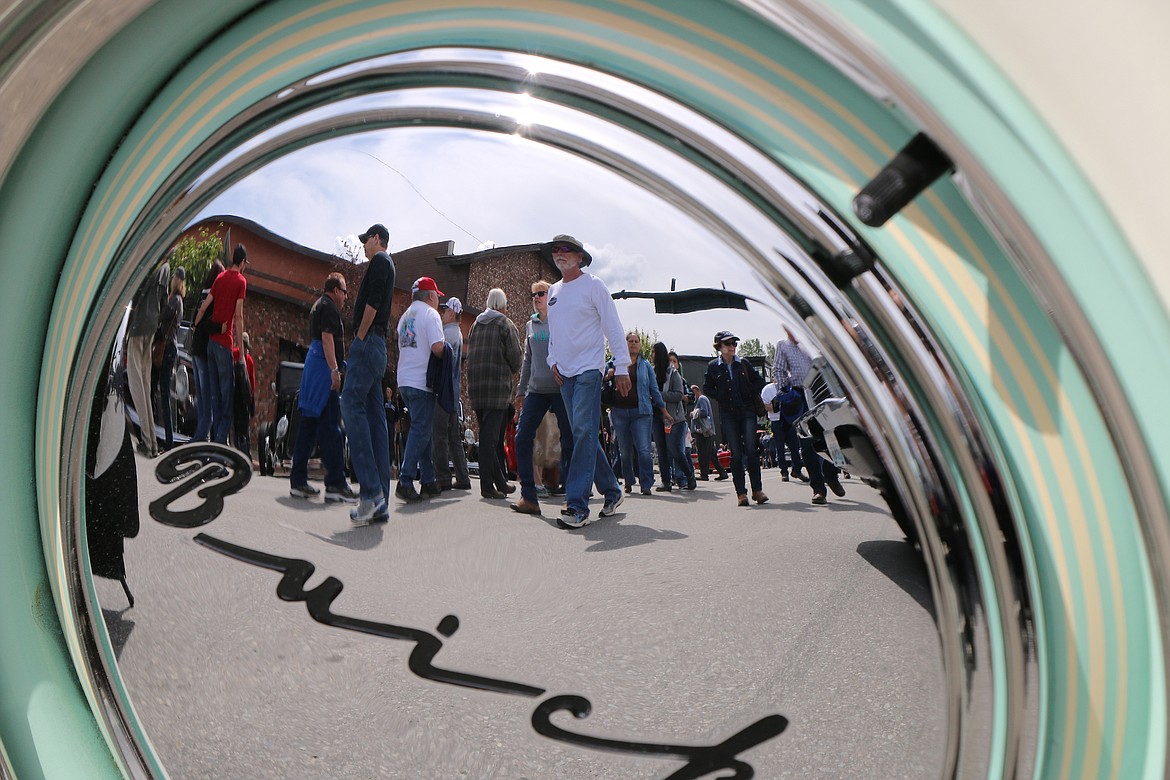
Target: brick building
<point>285,278</point>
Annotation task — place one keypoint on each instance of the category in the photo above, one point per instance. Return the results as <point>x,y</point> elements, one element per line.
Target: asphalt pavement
<point>464,635</point>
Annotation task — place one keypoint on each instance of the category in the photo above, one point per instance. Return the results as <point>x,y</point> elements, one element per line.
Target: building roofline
<point>493,252</point>
<point>268,235</point>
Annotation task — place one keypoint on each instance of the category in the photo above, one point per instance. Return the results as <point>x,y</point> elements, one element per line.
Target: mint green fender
<point>1044,306</point>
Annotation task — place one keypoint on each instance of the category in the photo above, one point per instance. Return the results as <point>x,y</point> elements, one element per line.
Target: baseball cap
<point>425,283</point>
<point>377,229</point>
<point>725,335</point>
<point>454,304</point>
<point>564,239</point>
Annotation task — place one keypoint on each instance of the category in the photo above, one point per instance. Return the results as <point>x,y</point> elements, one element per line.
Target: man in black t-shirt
<point>361,400</point>
<point>319,399</point>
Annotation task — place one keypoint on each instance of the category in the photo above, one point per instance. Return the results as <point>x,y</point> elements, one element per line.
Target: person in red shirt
<point>226,300</point>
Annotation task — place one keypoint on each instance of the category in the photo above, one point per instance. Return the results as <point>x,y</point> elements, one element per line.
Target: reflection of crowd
<point>159,389</point>
<point>552,411</point>
<point>220,388</point>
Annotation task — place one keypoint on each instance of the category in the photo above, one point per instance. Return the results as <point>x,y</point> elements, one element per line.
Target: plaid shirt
<point>792,364</point>
<point>492,356</point>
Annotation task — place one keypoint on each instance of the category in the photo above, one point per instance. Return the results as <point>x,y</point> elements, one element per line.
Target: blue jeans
<point>364,412</point>
<point>784,435</point>
<point>820,470</point>
<point>633,435</point>
<point>222,381</point>
<point>536,406</point>
<point>202,399</point>
<point>670,449</point>
<point>675,455</point>
<point>582,397</point>
<point>683,467</point>
<point>740,428</point>
<point>323,430</point>
<point>418,454</point>
<point>447,447</point>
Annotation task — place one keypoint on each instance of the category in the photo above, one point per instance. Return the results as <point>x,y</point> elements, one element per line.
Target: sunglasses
<point>729,343</point>
<point>540,294</point>
<point>562,248</point>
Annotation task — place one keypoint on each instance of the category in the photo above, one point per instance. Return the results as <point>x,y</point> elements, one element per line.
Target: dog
<point>546,451</point>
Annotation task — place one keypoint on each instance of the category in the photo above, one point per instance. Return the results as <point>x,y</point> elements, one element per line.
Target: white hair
<point>496,299</point>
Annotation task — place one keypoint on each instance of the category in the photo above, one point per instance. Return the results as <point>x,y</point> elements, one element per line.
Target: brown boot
<point>743,499</point>
<point>759,496</point>
<point>526,507</point>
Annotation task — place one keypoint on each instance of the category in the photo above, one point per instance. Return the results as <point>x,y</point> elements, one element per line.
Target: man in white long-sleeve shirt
<point>581,316</point>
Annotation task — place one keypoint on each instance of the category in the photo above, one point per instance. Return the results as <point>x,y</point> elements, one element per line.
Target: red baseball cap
<point>426,283</point>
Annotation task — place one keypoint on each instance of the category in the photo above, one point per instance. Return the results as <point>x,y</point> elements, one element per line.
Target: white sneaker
<point>366,511</point>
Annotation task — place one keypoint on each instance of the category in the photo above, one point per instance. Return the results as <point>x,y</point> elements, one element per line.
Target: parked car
<point>724,457</point>
<point>838,435</point>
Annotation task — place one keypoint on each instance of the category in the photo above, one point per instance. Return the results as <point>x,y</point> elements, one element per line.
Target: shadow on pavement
<point>119,629</point>
<point>365,537</point>
<point>305,504</point>
<point>846,504</point>
<point>434,503</point>
<point>903,565</point>
<point>608,534</point>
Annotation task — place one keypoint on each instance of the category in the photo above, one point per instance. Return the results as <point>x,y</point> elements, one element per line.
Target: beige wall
<point>1097,73</point>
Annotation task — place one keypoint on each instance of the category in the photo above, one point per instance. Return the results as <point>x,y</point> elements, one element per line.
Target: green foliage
<point>648,339</point>
<point>750,348</point>
<point>753,347</point>
<point>195,254</point>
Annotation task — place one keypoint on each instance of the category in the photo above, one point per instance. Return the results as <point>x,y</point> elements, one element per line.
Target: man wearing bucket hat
<point>420,335</point>
<point>735,384</point>
<point>581,317</point>
<point>361,396</point>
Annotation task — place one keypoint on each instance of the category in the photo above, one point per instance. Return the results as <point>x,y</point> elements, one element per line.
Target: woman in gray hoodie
<point>539,392</point>
<point>668,437</point>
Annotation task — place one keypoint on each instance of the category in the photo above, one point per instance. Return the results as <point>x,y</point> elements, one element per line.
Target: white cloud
<point>619,269</point>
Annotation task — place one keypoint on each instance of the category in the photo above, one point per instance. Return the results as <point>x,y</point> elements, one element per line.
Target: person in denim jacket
<point>632,415</point>
<point>735,384</point>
